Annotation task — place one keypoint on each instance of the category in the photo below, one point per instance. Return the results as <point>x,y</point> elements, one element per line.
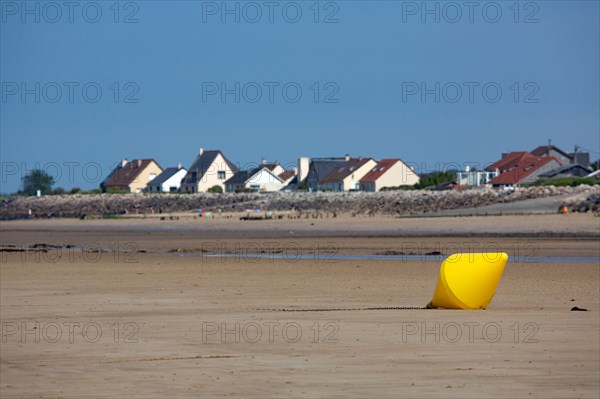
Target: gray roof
<point>164,176</point>
<point>340,172</point>
<point>575,169</point>
<point>239,177</point>
<point>321,167</point>
<point>202,164</point>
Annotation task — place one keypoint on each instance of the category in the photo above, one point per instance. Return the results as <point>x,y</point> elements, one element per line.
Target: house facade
<point>346,176</point>
<point>210,168</point>
<point>318,169</point>
<point>388,173</point>
<point>131,176</point>
<point>169,181</point>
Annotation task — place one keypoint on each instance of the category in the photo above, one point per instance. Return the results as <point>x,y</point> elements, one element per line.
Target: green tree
<point>35,180</point>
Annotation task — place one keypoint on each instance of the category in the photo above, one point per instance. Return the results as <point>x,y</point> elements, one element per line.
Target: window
<point>221,175</point>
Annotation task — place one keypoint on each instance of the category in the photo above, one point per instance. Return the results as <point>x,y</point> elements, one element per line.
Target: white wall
<point>264,180</point>
<point>173,181</point>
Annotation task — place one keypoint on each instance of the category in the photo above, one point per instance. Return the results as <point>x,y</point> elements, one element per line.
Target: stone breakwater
<point>390,203</point>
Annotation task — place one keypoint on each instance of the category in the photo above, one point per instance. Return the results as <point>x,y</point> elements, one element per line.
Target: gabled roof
<point>238,177</point>
<point>164,176</point>
<point>271,165</point>
<point>321,167</point>
<point>344,170</point>
<point>577,169</point>
<point>261,169</point>
<point>286,175</point>
<point>127,174</point>
<point>382,166</point>
<point>203,163</point>
<point>242,176</point>
<point>516,166</point>
<point>510,159</point>
<point>545,150</point>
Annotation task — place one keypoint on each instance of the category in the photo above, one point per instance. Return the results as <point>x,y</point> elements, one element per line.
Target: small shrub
<point>216,189</point>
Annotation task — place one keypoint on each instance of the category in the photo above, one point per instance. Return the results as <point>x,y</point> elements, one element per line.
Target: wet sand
<point>150,309</point>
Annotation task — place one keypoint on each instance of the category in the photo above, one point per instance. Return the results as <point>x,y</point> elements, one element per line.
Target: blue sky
<point>361,68</point>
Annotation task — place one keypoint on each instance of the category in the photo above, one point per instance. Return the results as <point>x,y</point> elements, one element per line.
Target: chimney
<point>124,162</point>
<point>347,157</point>
<point>179,166</point>
<point>303,166</point>
<point>201,151</point>
<point>139,163</point>
<point>263,161</point>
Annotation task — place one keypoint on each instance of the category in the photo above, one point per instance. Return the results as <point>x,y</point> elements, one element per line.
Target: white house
<point>257,179</point>
<point>475,178</point>
<point>168,181</point>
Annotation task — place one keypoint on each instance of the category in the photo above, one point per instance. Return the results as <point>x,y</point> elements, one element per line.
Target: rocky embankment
<point>585,199</point>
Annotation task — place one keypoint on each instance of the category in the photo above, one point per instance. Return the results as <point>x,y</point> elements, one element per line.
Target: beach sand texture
<point>150,308</point>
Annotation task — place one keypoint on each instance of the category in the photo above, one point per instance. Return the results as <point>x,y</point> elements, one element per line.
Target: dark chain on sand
<point>347,309</point>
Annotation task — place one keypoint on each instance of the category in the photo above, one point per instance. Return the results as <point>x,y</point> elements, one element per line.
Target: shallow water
<point>424,258</point>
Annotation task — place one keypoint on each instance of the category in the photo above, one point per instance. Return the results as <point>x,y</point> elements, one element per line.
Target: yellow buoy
<point>469,280</point>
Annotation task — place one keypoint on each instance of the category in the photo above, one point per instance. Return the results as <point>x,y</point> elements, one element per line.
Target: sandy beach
<point>153,308</point>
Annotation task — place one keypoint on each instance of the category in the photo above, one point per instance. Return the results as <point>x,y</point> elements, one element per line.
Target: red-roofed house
<point>131,176</point>
<point>520,168</point>
<point>388,173</point>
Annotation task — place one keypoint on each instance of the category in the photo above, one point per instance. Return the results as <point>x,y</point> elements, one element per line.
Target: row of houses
<point>523,167</point>
<point>212,168</point>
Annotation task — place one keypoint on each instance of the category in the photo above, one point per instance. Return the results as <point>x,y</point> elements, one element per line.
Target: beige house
<point>388,173</point>
<point>346,175</point>
<point>210,168</point>
<point>131,176</point>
